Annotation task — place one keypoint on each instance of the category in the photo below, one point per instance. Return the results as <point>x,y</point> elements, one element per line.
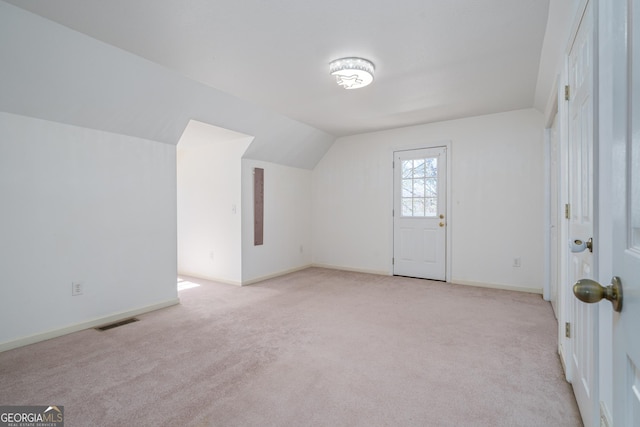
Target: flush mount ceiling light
<point>352,73</point>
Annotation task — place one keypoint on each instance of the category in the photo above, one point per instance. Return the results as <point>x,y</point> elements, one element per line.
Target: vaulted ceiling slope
<point>53,73</point>
<point>435,60</point>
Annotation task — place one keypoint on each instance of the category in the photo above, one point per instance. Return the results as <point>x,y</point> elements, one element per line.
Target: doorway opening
<point>209,220</point>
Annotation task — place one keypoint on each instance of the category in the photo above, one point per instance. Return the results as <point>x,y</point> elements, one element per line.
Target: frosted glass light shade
<point>352,73</point>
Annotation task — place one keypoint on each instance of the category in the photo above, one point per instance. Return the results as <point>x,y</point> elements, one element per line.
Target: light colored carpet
<point>313,348</point>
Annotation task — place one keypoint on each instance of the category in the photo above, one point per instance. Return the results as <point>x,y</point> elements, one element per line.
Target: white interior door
<point>626,217</point>
<point>581,191</point>
<point>420,217</point>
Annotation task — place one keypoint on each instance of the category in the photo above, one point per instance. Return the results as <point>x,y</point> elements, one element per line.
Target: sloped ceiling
<point>53,73</point>
<point>435,60</point>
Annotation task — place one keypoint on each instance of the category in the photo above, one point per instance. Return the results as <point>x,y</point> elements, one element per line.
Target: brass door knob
<point>578,245</point>
<point>590,291</point>
<point>441,224</point>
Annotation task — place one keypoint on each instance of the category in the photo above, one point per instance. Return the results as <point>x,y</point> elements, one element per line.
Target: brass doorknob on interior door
<point>441,224</point>
<point>590,291</point>
<point>441,216</point>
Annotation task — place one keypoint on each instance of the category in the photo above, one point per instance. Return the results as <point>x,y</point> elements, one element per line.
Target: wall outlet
<point>516,262</point>
<point>76,289</point>
<point>301,249</point>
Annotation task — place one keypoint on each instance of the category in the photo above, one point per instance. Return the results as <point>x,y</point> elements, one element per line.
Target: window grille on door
<point>420,187</point>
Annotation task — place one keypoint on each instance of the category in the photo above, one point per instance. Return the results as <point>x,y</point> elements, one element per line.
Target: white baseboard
<point>355,270</point>
<point>497,286</point>
<point>32,339</point>
<point>562,362</point>
<point>277,274</point>
<point>209,278</point>
<point>455,281</point>
<point>244,282</point>
<point>605,416</point>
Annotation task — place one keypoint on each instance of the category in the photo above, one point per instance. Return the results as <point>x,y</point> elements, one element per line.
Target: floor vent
<point>115,325</point>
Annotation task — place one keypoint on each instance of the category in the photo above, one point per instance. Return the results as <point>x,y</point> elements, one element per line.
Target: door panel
<point>430,244</point>
<point>419,220</point>
<point>584,316</point>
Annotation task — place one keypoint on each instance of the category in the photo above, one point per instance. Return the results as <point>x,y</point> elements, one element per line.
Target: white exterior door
<point>581,191</point>
<point>626,220</point>
<point>419,214</point>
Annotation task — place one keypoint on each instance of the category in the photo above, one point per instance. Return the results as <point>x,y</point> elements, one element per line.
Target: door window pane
<point>431,167</point>
<point>407,188</point>
<point>418,168</point>
<point>431,187</point>
<point>407,168</point>
<point>418,207</point>
<point>420,187</point>
<point>407,207</point>
<point>431,206</point>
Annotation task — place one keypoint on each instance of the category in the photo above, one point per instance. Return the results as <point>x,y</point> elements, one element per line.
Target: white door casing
<point>626,215</point>
<point>584,317</point>
<point>420,213</point>
<point>554,214</point>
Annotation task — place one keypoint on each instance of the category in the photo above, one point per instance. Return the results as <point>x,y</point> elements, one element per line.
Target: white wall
<point>497,191</point>
<point>88,206</point>
<point>287,221</point>
<point>209,202</point>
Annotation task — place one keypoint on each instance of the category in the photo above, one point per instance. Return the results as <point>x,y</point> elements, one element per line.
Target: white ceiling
<point>435,59</point>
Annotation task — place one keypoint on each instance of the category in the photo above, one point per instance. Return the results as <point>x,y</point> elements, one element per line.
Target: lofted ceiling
<point>435,59</point>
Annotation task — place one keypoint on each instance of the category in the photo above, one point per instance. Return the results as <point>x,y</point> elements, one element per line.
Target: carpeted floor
<point>313,348</point>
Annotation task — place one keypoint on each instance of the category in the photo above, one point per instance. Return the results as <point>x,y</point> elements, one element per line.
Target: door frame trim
<point>419,146</point>
<point>553,113</point>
